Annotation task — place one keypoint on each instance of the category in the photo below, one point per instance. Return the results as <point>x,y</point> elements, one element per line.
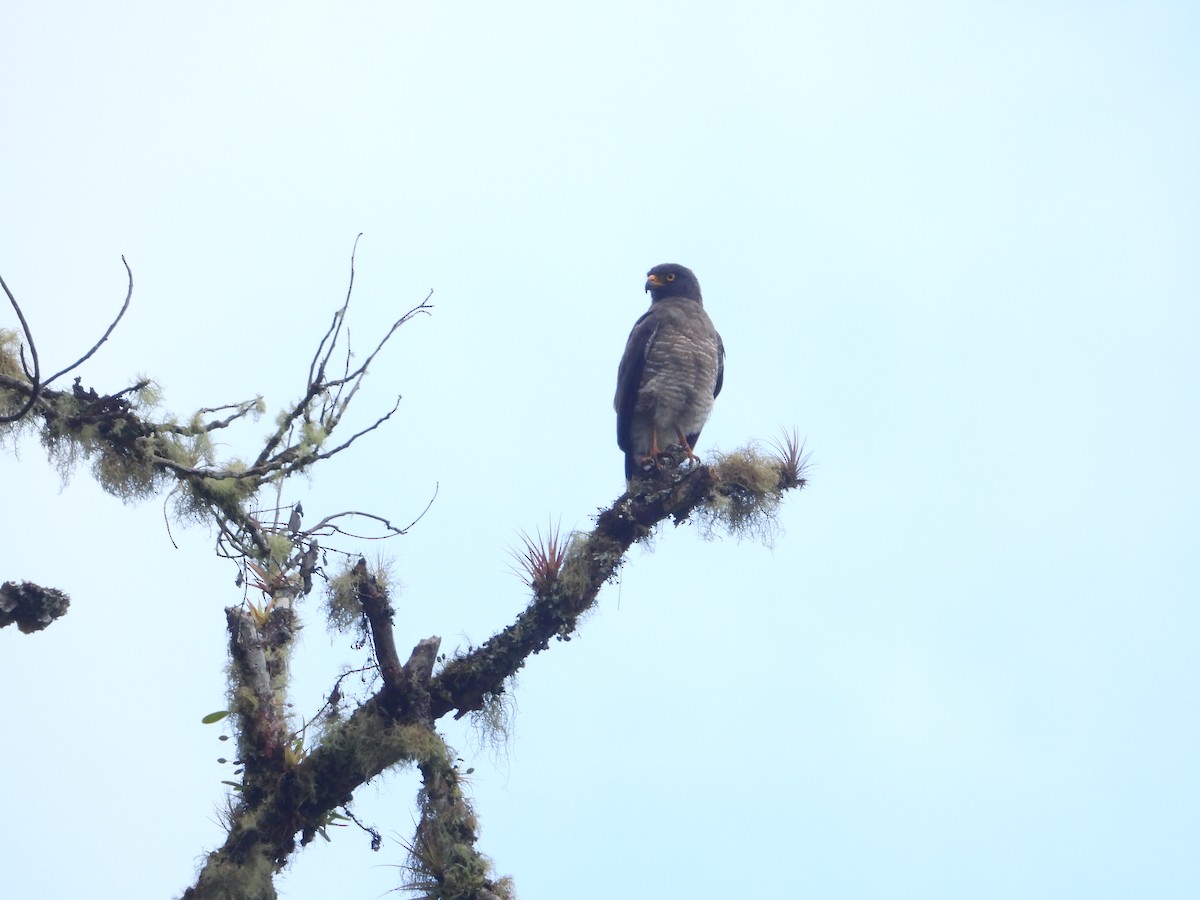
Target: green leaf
<point>215,717</point>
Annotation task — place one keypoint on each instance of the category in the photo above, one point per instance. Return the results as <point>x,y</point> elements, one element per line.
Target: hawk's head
<point>672,280</point>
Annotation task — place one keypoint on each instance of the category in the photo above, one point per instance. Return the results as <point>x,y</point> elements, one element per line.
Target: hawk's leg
<point>687,448</point>
<point>654,453</point>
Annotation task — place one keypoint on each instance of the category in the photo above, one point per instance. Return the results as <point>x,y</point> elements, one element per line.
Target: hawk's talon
<point>687,448</point>
<point>650,462</point>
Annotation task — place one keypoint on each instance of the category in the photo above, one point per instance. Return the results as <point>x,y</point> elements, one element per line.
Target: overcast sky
<point>955,245</point>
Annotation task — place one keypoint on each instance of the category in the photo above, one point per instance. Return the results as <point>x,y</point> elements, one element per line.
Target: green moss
<point>343,609</point>
<point>197,450</point>
<point>371,744</point>
<point>282,547</point>
<point>10,355</point>
<point>180,450</point>
<point>748,493</point>
<point>585,556</point>
<point>246,879</point>
<point>231,490</point>
<point>122,461</point>
<point>148,395</point>
<point>313,436</point>
<point>443,860</point>
<point>342,605</point>
<point>129,476</point>
<point>494,718</point>
<point>244,700</point>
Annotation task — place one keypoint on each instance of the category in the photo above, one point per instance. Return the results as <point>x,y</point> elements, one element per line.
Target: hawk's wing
<point>695,435</point>
<point>629,374</point>
<point>720,366</point>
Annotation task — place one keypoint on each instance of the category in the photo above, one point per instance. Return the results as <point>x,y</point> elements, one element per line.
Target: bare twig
<point>316,370</point>
<point>35,375</point>
<point>326,526</point>
<point>120,315</point>
<point>334,700</point>
<point>420,309</point>
<point>354,437</point>
<point>241,410</point>
<point>258,547</point>
<point>331,404</point>
<point>167,518</point>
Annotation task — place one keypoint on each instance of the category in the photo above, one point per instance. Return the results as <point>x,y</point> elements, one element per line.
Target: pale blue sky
<point>953,244</point>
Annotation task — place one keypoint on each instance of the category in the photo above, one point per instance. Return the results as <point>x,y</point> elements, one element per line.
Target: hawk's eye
<point>671,276</point>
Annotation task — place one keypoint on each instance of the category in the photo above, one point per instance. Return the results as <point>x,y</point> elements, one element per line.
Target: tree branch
<point>125,306</point>
<point>35,384</point>
<point>374,600</point>
<point>391,727</point>
<point>289,790</point>
<point>744,482</point>
<point>326,526</point>
<point>30,606</point>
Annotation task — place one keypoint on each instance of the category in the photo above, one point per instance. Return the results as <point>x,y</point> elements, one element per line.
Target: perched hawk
<point>671,372</point>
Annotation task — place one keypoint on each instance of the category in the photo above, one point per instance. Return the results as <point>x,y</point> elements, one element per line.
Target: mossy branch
<point>393,726</point>
<point>30,606</point>
<point>444,863</point>
<point>135,455</point>
<point>747,482</point>
<point>289,791</point>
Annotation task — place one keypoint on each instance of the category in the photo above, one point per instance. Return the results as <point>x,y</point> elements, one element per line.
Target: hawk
<point>672,370</point>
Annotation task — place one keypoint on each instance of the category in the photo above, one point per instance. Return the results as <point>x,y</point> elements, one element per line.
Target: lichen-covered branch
<point>135,454</point>
<point>311,786</point>
<point>30,606</point>
<point>393,727</point>
<point>259,646</point>
<point>444,863</point>
<point>319,411</point>
<point>740,490</point>
<point>378,610</point>
<point>295,775</point>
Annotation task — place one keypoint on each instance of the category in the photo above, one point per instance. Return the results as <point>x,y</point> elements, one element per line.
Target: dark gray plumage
<point>672,370</point>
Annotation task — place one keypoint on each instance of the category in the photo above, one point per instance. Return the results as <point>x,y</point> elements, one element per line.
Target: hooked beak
<point>652,281</point>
